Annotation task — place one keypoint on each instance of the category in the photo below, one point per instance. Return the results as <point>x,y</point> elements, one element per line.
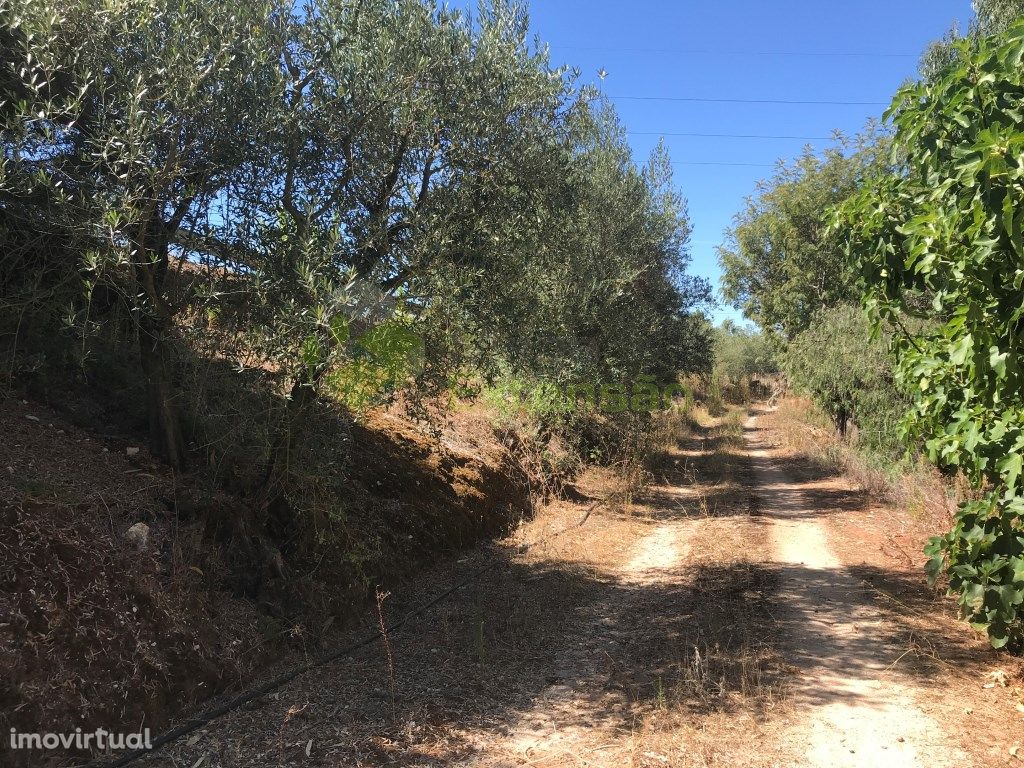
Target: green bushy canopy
<point>944,240</point>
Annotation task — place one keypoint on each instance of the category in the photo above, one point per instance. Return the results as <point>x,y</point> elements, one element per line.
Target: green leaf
<point>998,635</point>
<point>997,359</point>
<point>339,328</point>
<point>961,350</point>
<point>1010,467</point>
<point>1009,597</point>
<point>972,598</point>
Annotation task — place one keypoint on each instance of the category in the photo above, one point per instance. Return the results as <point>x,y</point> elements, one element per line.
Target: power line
<point>733,165</point>
<point>730,135</point>
<point>718,52</point>
<point>754,101</point>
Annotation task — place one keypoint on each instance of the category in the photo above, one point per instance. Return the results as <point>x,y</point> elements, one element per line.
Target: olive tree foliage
<point>742,352</point>
<point>339,196</point>
<point>126,122</point>
<point>620,304</point>
<point>943,239</point>
<point>604,293</point>
<point>402,127</point>
<point>780,266</point>
<point>401,131</point>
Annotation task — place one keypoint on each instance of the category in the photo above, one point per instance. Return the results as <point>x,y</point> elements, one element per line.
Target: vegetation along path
<point>366,401</point>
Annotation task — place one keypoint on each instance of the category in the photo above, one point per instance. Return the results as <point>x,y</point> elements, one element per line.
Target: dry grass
<point>702,676</point>
<point>725,663</point>
<point>722,680</point>
<point>917,487</point>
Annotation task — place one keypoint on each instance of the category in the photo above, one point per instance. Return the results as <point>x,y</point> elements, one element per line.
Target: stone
<point>138,535</point>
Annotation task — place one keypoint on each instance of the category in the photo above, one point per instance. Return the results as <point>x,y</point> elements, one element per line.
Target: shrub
<point>945,240</point>
<point>850,376</point>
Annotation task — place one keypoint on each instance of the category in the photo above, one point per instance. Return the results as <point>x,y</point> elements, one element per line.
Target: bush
<point>944,240</point>
<point>742,353</point>
<point>850,376</point>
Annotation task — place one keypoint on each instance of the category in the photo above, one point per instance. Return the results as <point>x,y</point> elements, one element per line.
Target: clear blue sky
<point>730,49</point>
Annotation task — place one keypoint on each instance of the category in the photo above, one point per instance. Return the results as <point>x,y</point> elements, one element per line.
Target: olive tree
<point>331,197</point>
<point>140,129</point>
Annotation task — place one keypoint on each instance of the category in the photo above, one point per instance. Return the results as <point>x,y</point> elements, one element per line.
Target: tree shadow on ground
<point>234,575</point>
<point>538,646</point>
<point>494,660</point>
<point>722,484</point>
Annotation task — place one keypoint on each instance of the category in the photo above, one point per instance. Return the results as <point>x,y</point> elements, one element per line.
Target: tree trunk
<point>165,434</point>
<point>284,443</point>
<point>155,322</point>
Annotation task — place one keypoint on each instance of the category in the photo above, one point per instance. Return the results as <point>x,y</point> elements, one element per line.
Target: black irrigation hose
<point>286,677</point>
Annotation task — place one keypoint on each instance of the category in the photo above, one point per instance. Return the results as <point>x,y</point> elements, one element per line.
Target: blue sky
<point>796,50</point>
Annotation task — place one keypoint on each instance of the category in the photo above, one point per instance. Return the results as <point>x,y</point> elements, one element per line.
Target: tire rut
<point>852,708</point>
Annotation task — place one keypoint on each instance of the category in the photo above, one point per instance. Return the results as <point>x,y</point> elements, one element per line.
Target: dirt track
<point>710,623</point>
<point>851,707</point>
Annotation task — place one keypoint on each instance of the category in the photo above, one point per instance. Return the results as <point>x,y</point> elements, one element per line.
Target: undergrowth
<point>907,481</point>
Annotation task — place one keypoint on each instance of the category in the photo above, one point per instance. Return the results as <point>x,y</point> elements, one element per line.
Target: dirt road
<point>582,716</point>
<point>851,707</point>
<point>711,622</point>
